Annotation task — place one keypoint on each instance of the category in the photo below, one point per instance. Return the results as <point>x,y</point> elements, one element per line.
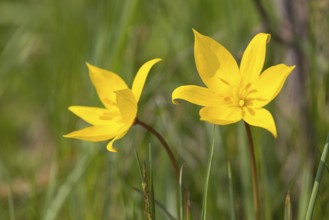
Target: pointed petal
<point>123,132</point>
<point>214,62</point>
<point>96,133</point>
<point>127,105</point>
<point>269,84</point>
<point>197,95</point>
<point>221,115</point>
<point>106,82</point>
<point>93,115</point>
<point>253,58</point>
<point>141,76</point>
<point>260,117</point>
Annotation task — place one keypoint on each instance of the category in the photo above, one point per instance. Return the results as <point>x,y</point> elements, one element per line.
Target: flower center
<point>238,95</point>
<point>241,102</point>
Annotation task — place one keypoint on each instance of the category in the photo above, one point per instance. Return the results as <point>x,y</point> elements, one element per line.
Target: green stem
<point>253,170</point>
<point>211,155</point>
<point>163,143</point>
<point>317,181</point>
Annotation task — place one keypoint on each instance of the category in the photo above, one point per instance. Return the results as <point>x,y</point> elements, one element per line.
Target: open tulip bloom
<point>119,114</point>
<point>234,93</point>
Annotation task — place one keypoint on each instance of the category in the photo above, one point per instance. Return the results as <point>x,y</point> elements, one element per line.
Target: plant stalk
<point>163,143</point>
<point>253,170</point>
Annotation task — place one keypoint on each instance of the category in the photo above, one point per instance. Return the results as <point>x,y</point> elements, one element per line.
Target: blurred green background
<point>44,45</point>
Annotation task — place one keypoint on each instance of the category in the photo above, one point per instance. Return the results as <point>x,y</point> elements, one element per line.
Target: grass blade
<point>188,208</point>
<point>146,193</point>
<point>152,205</point>
<point>139,164</point>
<point>317,181</point>
<point>287,208</point>
<point>148,190</point>
<point>204,205</point>
<point>181,194</point>
<point>159,205</point>
<point>231,192</point>
<point>67,187</point>
<point>11,205</point>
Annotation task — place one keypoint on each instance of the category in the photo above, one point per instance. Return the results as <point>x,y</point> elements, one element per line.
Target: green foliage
<point>44,46</point>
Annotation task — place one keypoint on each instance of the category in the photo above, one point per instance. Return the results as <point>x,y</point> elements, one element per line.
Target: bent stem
<point>163,143</point>
<point>254,170</point>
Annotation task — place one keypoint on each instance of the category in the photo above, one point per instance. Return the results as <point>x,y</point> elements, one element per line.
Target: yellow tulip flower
<point>234,93</point>
<point>119,114</point>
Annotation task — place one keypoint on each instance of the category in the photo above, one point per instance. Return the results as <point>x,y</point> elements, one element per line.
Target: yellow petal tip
<point>275,134</point>
<point>67,135</point>
<point>89,66</point>
<point>175,102</point>
<point>70,108</point>
<point>196,33</point>
<point>110,148</point>
<point>268,38</point>
<point>154,61</point>
<point>157,59</point>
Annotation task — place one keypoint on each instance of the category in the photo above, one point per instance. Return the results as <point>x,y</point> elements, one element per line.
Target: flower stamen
<point>241,102</point>
<point>225,82</point>
<point>228,99</point>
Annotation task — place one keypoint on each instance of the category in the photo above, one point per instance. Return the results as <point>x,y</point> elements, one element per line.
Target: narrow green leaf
<point>211,154</point>
<point>231,192</point>
<point>67,187</point>
<point>139,164</point>
<point>152,203</point>
<point>146,192</point>
<point>159,205</point>
<point>188,208</point>
<point>181,194</point>
<point>305,192</point>
<point>317,181</point>
<point>287,208</point>
<point>11,205</point>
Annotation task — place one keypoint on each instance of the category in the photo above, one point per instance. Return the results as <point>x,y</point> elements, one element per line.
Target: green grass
<point>44,46</point>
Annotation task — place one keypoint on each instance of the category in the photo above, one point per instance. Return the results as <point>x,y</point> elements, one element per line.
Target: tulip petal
<point>260,117</point>
<point>269,84</point>
<point>127,105</point>
<point>221,115</point>
<point>93,115</point>
<point>106,82</point>
<point>96,133</point>
<point>197,95</point>
<point>214,63</point>
<point>253,58</point>
<point>141,76</point>
<point>122,133</point>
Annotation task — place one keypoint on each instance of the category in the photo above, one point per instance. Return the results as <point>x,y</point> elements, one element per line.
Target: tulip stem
<point>163,143</point>
<point>254,171</point>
